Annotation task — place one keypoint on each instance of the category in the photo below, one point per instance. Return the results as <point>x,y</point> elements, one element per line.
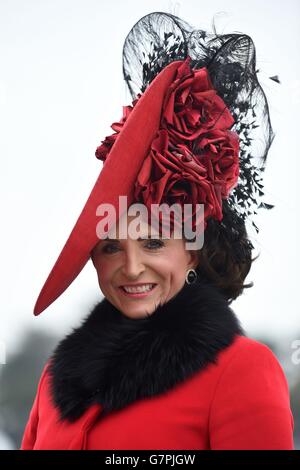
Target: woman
<point>162,361</point>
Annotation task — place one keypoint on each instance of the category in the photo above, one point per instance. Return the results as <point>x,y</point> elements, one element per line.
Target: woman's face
<point>138,275</point>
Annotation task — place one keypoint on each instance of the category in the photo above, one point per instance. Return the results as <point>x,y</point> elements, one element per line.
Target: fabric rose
<point>172,174</point>
<point>103,150</point>
<point>192,106</point>
<point>194,157</point>
<point>218,151</point>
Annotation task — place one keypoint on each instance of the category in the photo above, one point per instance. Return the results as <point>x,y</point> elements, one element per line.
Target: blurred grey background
<point>61,88</point>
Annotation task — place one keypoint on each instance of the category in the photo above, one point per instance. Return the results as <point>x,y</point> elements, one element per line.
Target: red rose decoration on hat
<point>218,150</point>
<point>172,174</point>
<point>192,106</point>
<point>103,150</point>
<point>195,157</point>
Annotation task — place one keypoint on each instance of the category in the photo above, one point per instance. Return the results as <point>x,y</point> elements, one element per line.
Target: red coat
<point>185,378</point>
<point>225,406</point>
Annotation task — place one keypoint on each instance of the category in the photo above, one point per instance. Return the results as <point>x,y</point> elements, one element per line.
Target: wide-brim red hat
<point>116,178</point>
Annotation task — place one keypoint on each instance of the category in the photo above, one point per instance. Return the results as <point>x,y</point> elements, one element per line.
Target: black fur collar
<point>114,360</point>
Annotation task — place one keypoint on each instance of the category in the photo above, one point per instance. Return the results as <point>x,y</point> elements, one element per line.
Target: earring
<point>191,276</point>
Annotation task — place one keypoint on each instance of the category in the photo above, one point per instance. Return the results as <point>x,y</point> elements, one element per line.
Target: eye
<point>154,244</point>
<point>110,248</point>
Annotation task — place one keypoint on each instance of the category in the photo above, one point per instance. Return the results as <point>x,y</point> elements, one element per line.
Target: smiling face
<point>136,276</point>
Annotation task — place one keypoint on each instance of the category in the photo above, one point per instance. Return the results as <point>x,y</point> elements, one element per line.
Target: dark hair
<point>226,256</point>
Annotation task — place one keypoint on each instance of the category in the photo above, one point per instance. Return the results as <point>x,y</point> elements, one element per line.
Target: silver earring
<point>191,276</point>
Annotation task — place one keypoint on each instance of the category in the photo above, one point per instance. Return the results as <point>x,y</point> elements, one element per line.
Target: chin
<point>138,312</point>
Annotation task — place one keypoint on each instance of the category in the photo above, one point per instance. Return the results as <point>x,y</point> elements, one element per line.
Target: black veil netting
<point>158,39</point>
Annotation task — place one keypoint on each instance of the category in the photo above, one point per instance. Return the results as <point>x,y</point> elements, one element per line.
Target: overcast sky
<point>61,88</point>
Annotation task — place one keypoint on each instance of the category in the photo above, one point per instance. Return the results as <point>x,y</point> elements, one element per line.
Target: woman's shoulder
<point>252,365</point>
<point>251,393</point>
<point>245,348</point>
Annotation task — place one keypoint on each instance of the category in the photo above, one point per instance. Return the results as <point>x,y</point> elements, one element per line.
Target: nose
<point>133,265</point>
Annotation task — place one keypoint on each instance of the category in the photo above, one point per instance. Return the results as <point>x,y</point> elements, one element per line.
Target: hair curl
<point>224,261</point>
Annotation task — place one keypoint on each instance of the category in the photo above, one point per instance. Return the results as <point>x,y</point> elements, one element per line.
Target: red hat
<point>176,132</point>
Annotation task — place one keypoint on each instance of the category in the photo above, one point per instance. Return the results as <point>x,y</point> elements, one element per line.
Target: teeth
<point>137,289</point>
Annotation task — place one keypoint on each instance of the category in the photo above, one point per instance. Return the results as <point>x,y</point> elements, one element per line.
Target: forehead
<point>132,227</point>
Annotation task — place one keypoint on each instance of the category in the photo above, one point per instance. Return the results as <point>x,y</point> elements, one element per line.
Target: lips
<point>138,290</point>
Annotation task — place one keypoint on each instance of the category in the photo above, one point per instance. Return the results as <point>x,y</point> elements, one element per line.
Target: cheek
<point>105,270</point>
<point>173,267</point>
